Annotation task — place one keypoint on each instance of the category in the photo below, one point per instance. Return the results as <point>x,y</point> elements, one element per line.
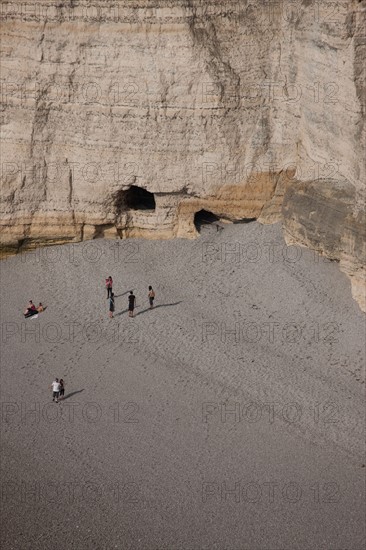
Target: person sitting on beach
<point>30,309</point>
<point>40,307</point>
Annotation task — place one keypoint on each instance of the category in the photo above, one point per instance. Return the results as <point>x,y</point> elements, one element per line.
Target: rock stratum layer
<point>244,109</point>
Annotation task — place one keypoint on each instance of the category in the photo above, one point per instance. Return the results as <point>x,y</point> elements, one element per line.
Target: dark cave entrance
<point>204,217</point>
<point>134,198</point>
<point>137,198</point>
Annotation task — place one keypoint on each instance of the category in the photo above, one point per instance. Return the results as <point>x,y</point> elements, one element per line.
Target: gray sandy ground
<point>229,417</point>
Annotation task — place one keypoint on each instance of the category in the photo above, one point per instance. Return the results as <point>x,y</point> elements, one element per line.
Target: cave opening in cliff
<point>204,217</point>
<point>137,198</point>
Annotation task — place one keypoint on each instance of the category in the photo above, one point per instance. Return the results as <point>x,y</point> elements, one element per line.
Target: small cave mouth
<point>137,198</point>
<point>204,217</point>
<point>134,198</point>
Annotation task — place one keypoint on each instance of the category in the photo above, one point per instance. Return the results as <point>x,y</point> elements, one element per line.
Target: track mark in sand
<point>104,367</point>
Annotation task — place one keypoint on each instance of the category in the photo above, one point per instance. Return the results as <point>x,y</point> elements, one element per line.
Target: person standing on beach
<point>111,305</point>
<point>131,303</point>
<point>55,390</point>
<point>62,389</point>
<point>151,296</point>
<point>109,285</point>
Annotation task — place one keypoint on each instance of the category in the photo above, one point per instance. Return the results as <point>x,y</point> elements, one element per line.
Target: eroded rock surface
<point>323,218</point>
<point>243,109</point>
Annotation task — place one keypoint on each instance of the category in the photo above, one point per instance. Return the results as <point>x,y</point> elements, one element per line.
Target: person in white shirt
<point>56,386</point>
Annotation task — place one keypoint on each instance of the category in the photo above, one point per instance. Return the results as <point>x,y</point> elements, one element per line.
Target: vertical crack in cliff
<point>226,79</point>
<point>70,78</point>
<point>71,195</point>
<point>39,120</point>
<point>41,44</point>
<point>164,90</point>
<point>205,37</point>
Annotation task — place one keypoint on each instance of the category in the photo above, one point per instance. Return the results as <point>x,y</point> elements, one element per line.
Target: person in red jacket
<point>109,286</point>
<point>31,309</point>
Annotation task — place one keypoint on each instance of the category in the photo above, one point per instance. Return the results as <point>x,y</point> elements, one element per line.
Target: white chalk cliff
<point>246,109</point>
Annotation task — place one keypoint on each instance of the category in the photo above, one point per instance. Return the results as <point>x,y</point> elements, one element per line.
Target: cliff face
<point>244,109</point>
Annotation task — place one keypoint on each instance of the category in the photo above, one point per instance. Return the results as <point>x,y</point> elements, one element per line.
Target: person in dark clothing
<point>62,389</point>
<point>111,305</point>
<point>131,303</point>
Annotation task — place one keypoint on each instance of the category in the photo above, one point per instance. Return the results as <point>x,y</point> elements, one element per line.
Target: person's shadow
<point>156,307</point>
<point>123,294</point>
<point>121,312</point>
<point>71,394</point>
